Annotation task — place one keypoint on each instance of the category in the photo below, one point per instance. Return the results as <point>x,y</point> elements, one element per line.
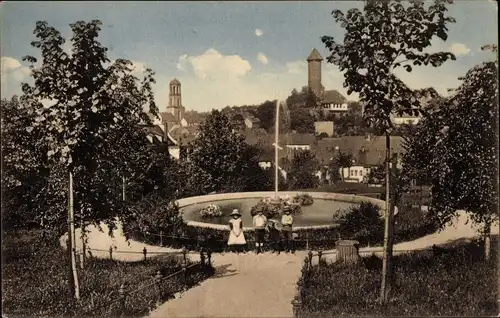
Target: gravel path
<point>248,285</point>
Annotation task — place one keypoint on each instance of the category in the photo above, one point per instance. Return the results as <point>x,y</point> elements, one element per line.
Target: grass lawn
<point>34,280</point>
<point>452,282</point>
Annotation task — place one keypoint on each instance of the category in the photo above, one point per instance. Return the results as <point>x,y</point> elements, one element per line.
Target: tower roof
<point>315,56</point>
<point>175,82</point>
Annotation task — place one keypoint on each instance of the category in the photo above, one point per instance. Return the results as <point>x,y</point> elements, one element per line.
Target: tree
<point>351,123</point>
<point>455,149</point>
<point>302,121</point>
<point>302,171</point>
<point>333,172</point>
<point>25,171</point>
<point>377,175</point>
<point>266,115</point>
<point>219,159</point>
<point>79,104</point>
<point>344,160</point>
<point>385,36</point>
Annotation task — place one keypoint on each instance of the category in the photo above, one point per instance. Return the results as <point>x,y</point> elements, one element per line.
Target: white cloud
<point>12,74</point>
<point>138,68</point>
<point>459,49</point>
<point>262,58</point>
<point>438,45</point>
<point>213,65</point>
<point>259,32</point>
<point>297,67</point>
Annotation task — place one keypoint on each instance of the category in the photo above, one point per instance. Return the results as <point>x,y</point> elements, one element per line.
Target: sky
<point>229,53</point>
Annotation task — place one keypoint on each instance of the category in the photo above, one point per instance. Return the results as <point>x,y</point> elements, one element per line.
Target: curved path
<point>249,285</point>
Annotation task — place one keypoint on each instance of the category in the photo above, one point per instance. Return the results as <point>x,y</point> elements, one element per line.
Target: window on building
<point>361,172</point>
<point>355,173</point>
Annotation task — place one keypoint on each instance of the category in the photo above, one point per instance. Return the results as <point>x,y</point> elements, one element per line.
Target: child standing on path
<point>236,241</point>
<point>259,224</point>
<point>287,222</point>
<point>274,236</point>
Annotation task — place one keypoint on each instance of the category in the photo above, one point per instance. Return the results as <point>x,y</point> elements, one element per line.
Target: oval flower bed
<point>272,207</point>
<point>211,211</point>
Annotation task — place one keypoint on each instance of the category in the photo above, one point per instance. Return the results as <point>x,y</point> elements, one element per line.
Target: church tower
<point>314,72</point>
<point>175,101</point>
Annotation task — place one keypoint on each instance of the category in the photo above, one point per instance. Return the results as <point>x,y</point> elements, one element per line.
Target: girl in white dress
<point>236,241</point>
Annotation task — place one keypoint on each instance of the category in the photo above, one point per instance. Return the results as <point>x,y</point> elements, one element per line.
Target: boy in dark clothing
<point>274,236</point>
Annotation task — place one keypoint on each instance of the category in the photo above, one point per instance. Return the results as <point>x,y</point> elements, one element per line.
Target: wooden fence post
<point>202,257</point>
<point>123,297</point>
<point>184,275</point>
<point>184,255</point>
<point>296,304</point>
<point>306,264</point>
<point>297,300</point>
<point>161,238</point>
<point>111,252</point>
<point>145,252</point>
<point>159,278</point>
<point>209,254</point>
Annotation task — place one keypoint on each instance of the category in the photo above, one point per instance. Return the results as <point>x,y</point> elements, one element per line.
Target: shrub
<point>426,284</point>
<point>211,211</point>
<point>362,223</point>
<point>412,223</point>
<point>154,214</point>
<point>303,199</point>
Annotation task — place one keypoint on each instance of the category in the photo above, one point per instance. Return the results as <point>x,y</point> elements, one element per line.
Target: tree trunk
<point>74,286</point>
<point>82,237</point>
<point>487,241</point>
<point>387,253</point>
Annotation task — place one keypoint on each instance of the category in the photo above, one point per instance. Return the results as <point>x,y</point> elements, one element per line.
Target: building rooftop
<point>332,97</point>
<point>366,152</point>
<point>314,56</point>
<point>193,117</point>
<point>167,117</point>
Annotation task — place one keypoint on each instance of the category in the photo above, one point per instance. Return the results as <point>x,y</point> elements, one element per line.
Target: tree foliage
<point>386,36</point>
<point>455,149</point>
<point>266,112</point>
<point>220,160</point>
<point>302,121</point>
<point>343,160</point>
<point>82,114</point>
<point>302,171</point>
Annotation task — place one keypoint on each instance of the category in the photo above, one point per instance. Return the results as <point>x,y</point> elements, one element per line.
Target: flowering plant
<point>303,199</point>
<point>211,211</point>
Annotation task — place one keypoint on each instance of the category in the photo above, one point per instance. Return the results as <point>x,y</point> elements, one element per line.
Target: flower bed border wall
<point>313,236</point>
<point>214,236</point>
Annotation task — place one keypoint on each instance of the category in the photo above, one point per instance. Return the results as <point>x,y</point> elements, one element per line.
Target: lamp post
<point>276,149</point>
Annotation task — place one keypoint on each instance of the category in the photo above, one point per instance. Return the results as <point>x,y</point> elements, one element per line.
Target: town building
<point>367,152</point>
<point>328,100</point>
<point>324,127</point>
<point>179,126</point>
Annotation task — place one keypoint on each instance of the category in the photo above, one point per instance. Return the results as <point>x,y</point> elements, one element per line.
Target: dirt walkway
<point>248,285</point>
